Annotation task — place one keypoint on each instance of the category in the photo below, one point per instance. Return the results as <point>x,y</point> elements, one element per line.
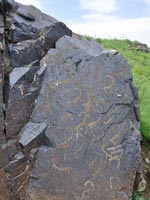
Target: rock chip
<point>31,132</point>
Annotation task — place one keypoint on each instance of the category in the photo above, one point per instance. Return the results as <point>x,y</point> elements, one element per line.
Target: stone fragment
<point>1,81</point>
<point>29,52</point>
<point>26,12</point>
<point>111,52</point>
<point>147,160</point>
<point>16,74</point>
<point>24,28</point>
<point>1,109</point>
<point>32,34</point>
<point>6,5</point>
<point>18,170</point>
<point>88,105</point>
<point>4,157</point>
<point>25,84</point>
<point>31,132</point>
<point>142,47</point>
<point>142,185</point>
<point>4,186</point>
<point>90,47</point>
<point>15,166</point>
<point>1,7</point>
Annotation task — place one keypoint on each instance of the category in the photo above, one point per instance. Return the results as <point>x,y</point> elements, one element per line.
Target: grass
<point>140,67</point>
<point>137,196</point>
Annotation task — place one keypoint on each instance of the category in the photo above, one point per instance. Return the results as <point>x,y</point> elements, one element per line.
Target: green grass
<point>140,67</point>
<point>137,196</point>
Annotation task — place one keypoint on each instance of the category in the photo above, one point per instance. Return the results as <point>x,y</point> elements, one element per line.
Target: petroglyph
<point>88,125</point>
<point>109,80</point>
<point>60,169</point>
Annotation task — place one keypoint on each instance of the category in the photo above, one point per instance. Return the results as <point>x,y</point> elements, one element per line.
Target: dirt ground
<point>146,168</point>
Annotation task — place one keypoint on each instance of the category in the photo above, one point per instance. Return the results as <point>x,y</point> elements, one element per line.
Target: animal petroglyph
<point>54,164</point>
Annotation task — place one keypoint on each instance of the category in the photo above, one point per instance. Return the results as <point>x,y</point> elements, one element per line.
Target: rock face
<point>25,83</point>
<point>88,103</point>
<point>69,121</point>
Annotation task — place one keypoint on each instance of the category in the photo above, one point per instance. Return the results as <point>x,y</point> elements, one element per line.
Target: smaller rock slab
<point>90,47</point>
<point>25,84</point>
<point>1,109</point>
<point>31,132</point>
<point>17,73</point>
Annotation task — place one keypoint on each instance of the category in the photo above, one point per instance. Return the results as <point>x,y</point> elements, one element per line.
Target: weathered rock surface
<point>1,109</point>
<point>32,34</point>
<point>26,34</point>
<point>1,76</point>
<point>69,115</point>
<point>25,84</point>
<point>87,103</point>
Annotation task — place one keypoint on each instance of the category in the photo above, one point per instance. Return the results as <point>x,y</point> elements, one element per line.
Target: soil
<point>145,147</point>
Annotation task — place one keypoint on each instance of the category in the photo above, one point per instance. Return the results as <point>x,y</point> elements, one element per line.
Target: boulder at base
<point>89,105</point>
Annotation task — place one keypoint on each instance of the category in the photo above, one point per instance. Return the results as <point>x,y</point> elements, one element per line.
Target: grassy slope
<point>140,67</point>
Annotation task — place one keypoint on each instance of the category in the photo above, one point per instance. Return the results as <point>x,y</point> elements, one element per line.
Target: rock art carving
<point>69,115</point>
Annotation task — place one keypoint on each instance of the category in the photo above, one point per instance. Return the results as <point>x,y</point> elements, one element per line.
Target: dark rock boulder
<point>25,84</point>
<point>29,23</point>
<point>31,34</point>
<point>88,104</point>
<point>142,47</point>
<point>31,51</point>
<point>69,115</point>
<point>26,35</point>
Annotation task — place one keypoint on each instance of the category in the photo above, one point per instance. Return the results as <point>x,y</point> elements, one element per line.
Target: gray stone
<point>31,132</point>
<point>88,105</point>
<point>26,12</point>
<point>6,5</point>
<point>1,109</point>
<point>110,52</point>
<point>142,47</point>
<point>4,186</point>
<point>28,52</point>
<point>90,47</point>
<point>4,158</point>
<point>32,34</point>
<point>69,114</point>
<point>19,159</point>
<point>16,74</point>
<point>25,84</point>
